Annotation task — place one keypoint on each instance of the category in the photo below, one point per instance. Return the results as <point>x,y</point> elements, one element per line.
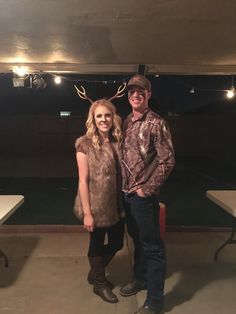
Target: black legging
<point>115,236</point>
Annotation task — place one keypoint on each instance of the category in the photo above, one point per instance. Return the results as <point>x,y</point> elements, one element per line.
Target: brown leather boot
<point>106,260</point>
<point>91,280</point>
<point>100,286</point>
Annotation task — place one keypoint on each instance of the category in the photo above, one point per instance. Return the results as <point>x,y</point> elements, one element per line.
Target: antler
<point>120,92</point>
<point>82,93</point>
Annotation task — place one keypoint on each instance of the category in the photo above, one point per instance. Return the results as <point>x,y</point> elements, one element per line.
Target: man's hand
<point>140,193</point>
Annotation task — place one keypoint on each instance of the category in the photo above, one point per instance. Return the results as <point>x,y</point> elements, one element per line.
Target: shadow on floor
<point>14,245</point>
<point>190,280</point>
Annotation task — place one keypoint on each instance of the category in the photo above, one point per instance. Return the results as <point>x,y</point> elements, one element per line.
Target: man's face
<point>138,98</point>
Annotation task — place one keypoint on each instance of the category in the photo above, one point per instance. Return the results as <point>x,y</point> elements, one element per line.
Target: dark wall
<point>47,134</point>
<point>20,134</point>
<point>204,135</point>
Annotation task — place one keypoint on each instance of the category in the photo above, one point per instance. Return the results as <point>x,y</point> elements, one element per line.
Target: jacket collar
<point>141,117</point>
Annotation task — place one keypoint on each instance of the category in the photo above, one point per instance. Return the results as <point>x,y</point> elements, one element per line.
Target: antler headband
<point>82,92</point>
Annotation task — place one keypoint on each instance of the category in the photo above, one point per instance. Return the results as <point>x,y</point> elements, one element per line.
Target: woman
<point>98,203</point>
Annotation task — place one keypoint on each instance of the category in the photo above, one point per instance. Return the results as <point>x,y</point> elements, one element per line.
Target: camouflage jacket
<point>148,155</point>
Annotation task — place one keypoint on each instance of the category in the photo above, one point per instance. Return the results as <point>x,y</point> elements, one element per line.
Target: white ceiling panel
<point>106,36</point>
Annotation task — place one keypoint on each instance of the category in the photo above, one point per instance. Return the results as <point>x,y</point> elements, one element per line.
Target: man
<point>148,159</point>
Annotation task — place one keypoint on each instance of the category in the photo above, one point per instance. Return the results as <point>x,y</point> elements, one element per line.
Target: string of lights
<point>229,92</point>
<point>37,80</point>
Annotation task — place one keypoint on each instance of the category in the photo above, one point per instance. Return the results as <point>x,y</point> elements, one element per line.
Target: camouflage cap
<point>140,81</point>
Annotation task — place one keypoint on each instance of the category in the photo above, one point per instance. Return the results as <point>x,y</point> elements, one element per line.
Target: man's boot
<point>100,285</point>
<point>106,260</point>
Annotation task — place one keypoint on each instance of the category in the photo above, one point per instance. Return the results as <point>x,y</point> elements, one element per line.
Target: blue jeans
<point>142,218</point>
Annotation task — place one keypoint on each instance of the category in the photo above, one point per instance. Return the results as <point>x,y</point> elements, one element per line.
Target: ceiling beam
<point>119,69</point>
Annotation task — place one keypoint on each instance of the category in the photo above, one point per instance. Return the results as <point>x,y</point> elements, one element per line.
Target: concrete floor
<point>47,275</point>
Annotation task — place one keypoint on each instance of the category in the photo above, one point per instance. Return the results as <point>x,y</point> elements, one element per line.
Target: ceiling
<point>114,37</point>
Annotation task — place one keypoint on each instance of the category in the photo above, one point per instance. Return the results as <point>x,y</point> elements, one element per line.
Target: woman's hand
<point>88,222</point>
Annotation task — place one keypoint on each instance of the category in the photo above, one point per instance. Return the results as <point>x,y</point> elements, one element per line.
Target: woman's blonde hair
<point>92,130</point>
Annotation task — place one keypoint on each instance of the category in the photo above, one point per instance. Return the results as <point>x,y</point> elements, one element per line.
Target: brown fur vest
<point>105,194</point>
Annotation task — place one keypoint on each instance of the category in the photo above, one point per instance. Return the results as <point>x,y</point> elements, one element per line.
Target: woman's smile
<point>103,119</point>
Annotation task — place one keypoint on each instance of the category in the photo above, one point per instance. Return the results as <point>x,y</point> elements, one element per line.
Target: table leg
<point>3,255</point>
<point>230,240</point>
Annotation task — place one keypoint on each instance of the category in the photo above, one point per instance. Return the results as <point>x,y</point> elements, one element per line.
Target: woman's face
<point>103,119</point>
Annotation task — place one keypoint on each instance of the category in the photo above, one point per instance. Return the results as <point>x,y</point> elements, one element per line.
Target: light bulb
<point>20,71</point>
<point>57,80</point>
<point>192,90</point>
<point>230,93</point>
